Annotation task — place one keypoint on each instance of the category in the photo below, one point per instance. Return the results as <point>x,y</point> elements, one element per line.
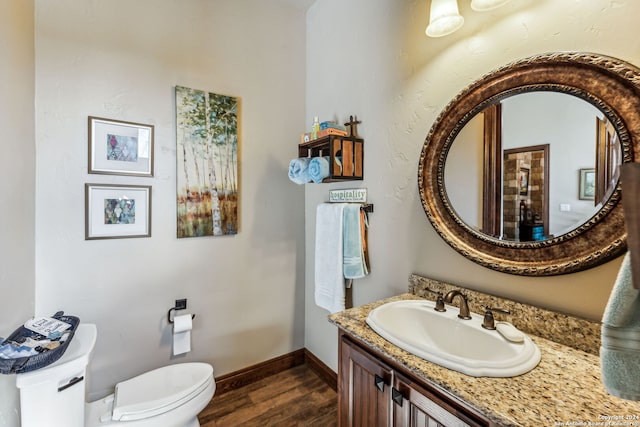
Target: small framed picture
<point>523,181</point>
<point>120,148</point>
<point>117,211</point>
<point>587,184</point>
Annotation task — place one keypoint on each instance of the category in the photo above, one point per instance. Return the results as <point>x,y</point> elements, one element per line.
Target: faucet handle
<point>440,303</point>
<point>439,300</point>
<point>488,321</point>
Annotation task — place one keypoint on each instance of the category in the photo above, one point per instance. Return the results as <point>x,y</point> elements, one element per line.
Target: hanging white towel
<point>329,279</point>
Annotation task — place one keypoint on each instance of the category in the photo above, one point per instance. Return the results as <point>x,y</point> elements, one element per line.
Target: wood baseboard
<point>259,371</point>
<point>323,371</point>
<point>254,373</point>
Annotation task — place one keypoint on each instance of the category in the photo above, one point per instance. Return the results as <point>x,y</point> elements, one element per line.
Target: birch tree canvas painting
<point>207,163</point>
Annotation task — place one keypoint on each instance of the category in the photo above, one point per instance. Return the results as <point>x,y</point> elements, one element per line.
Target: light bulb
<point>444,18</point>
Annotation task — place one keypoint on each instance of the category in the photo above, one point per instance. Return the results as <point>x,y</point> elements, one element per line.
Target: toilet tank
<point>55,395</point>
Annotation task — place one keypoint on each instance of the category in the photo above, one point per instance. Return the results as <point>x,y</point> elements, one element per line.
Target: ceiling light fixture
<point>444,18</point>
<point>487,5</point>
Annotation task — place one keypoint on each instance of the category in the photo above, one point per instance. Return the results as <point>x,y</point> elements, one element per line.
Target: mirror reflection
<point>533,166</point>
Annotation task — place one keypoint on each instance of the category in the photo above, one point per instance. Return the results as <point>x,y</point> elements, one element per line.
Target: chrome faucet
<point>464,307</point>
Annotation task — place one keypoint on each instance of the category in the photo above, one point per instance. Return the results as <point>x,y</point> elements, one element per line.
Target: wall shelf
<point>346,155</point>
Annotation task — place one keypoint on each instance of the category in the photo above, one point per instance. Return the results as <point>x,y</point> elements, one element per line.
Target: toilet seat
<point>161,390</point>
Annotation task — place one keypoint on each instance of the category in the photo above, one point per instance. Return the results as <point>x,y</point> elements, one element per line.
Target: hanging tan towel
<point>364,229</point>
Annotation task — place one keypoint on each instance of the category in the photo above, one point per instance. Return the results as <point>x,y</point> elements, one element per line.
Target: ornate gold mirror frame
<point>611,85</point>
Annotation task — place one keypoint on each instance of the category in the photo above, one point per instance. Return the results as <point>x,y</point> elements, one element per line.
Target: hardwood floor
<point>295,397</point>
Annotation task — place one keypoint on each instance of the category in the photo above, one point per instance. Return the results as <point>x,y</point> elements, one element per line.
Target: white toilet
<point>54,396</point>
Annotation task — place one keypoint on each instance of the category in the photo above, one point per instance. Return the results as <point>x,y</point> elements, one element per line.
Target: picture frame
<point>523,181</point>
<point>207,178</point>
<point>587,185</point>
<point>114,211</point>
<point>120,148</point>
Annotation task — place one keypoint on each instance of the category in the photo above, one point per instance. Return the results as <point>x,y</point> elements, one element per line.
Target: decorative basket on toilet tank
<point>37,344</point>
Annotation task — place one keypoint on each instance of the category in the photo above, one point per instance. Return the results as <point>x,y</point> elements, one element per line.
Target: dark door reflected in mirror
<point>515,171</point>
<point>525,193</point>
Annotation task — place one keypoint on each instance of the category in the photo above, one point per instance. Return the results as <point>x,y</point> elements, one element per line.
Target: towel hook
<point>181,304</point>
<point>367,207</point>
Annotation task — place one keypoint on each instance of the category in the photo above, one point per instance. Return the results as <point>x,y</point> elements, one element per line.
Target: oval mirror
<point>546,147</point>
<point>519,172</point>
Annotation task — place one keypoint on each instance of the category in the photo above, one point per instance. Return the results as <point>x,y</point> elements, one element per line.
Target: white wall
<point>384,69</point>
<point>121,60</point>
<point>17,183</point>
<point>464,160</point>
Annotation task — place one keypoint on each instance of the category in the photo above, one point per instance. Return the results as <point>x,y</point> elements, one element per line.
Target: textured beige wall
<point>121,59</point>
<point>384,69</point>
<point>17,182</point>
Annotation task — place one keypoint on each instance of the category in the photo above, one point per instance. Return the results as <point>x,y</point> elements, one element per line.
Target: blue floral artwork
<point>122,148</point>
<point>119,211</point>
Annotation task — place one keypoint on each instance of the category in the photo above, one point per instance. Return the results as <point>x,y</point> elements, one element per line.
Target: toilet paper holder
<point>181,304</point>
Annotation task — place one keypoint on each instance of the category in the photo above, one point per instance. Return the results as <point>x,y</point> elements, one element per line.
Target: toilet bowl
<point>171,396</point>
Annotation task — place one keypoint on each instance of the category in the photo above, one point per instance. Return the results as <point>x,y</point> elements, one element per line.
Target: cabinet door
<point>416,407</point>
<point>364,388</point>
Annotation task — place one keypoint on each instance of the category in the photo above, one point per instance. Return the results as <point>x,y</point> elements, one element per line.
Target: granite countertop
<point>564,389</point>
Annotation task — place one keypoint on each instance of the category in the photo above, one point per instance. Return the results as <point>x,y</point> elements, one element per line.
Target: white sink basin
<point>458,344</point>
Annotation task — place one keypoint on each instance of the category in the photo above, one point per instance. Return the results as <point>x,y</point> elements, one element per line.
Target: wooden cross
<point>352,124</point>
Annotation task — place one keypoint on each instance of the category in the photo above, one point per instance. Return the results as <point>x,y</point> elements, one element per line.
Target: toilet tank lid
<point>160,390</point>
<point>75,358</point>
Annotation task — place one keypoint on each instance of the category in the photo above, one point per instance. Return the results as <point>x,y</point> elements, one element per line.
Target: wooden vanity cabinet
<point>414,406</point>
<point>364,388</point>
<point>374,393</point>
